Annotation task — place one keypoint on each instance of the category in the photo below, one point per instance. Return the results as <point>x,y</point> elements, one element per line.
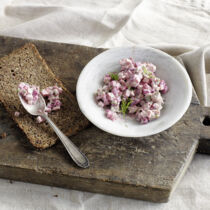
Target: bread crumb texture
<point>3,135</point>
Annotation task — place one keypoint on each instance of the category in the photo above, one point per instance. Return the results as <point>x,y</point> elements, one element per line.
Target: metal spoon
<point>38,109</point>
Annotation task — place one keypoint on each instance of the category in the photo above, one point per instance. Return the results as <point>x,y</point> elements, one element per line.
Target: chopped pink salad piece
<point>52,94</point>
<point>40,119</point>
<point>17,114</point>
<point>135,91</point>
<point>30,94</point>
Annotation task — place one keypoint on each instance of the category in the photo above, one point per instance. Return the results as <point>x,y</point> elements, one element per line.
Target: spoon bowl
<point>34,109</point>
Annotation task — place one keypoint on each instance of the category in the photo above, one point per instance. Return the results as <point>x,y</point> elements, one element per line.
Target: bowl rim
<point>161,129</point>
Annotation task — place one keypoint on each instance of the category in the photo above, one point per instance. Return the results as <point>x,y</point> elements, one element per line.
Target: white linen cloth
<point>174,26</point>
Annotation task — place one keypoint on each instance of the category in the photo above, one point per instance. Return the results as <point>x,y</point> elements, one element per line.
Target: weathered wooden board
<point>141,168</point>
<point>204,141</point>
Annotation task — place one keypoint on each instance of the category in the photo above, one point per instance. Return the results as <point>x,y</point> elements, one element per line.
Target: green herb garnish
<point>114,76</point>
<point>148,73</point>
<point>125,105</point>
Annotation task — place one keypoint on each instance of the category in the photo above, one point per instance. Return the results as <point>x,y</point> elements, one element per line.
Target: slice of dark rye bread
<point>26,65</point>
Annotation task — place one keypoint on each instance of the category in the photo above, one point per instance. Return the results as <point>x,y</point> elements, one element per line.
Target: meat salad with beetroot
<point>135,90</point>
<point>30,93</point>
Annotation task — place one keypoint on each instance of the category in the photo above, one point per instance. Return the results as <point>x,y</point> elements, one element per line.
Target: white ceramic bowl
<point>177,100</point>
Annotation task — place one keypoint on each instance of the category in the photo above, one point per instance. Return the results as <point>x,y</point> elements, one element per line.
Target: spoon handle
<point>79,158</point>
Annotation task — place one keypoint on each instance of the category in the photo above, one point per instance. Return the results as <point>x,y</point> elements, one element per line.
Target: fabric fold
<point>195,64</point>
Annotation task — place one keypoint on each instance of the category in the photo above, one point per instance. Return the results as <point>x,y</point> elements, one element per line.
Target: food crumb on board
<point>3,135</point>
<point>55,196</point>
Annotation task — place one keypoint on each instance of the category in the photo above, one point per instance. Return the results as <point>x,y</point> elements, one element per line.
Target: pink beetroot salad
<point>135,91</point>
<point>30,93</point>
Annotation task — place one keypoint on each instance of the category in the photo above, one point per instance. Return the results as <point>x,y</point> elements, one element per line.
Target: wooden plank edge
<point>83,184</point>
